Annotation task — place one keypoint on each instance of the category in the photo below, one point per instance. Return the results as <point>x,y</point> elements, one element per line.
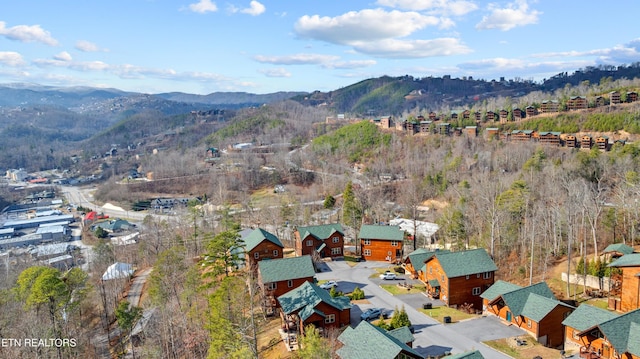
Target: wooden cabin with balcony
<point>471,131</point>
<point>477,116</point>
<point>612,338</point>
<point>586,141</point>
<point>492,133</point>
<point>504,116</point>
<point>426,126</point>
<point>571,141</point>
<point>518,114</point>
<point>549,138</point>
<point>531,111</point>
<point>521,135</point>
<point>614,98</point>
<point>433,116</point>
<point>577,103</point>
<point>602,142</point>
<point>549,106</point>
<point>444,128</point>
<point>280,276</point>
<point>599,101</point>
<point>386,122</point>
<point>466,114</point>
<point>491,116</point>
<point>632,96</point>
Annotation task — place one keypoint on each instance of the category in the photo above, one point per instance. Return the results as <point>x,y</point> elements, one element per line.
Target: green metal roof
<point>308,296</point>
<point>586,316</point>
<point>367,341</point>
<point>457,264</point>
<point>634,345</point>
<point>538,307</point>
<point>627,260</point>
<point>258,236</point>
<point>517,299</point>
<point>403,334</point>
<point>276,270</point>
<point>434,283</point>
<point>418,257</point>
<point>620,331</point>
<point>467,355</point>
<point>499,288</point>
<point>619,247</point>
<point>321,232</point>
<point>387,233</point>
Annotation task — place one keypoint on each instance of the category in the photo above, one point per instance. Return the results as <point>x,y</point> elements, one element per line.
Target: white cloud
<point>365,25</point>
<point>354,64</point>
<point>456,8</point>
<point>296,59</point>
<point>26,33</point>
<point>87,46</point>
<point>11,58</point>
<point>203,6</point>
<point>515,14</point>
<point>392,48</point>
<point>620,54</point>
<point>278,72</point>
<point>255,8</point>
<point>63,56</point>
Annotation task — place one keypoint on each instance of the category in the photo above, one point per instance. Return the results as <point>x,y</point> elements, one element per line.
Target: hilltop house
<point>458,278</point>
<point>612,338</point>
<point>310,304</point>
<point>325,241</point>
<point>581,319</point>
<point>260,245</point>
<point>369,341</point>
<point>629,299</point>
<point>381,243</point>
<point>534,309</point>
<point>279,276</point>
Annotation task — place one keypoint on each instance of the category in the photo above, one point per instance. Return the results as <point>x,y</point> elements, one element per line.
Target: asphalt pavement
<point>432,338</point>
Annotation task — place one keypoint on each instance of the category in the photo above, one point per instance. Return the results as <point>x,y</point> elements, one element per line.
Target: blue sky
<point>264,46</point>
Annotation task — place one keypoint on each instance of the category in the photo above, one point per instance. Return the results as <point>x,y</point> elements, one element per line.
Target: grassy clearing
<point>530,350</point>
<point>438,313</point>
<point>396,289</point>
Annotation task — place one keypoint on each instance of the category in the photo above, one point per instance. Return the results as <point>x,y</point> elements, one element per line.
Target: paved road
<point>135,291</point>
<point>432,338</point>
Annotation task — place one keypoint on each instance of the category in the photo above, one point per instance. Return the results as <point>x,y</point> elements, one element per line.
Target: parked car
<point>371,314</point>
<point>328,285</point>
<point>388,276</point>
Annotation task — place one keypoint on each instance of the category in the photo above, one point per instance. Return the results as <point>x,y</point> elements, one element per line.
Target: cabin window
<point>394,243</point>
<point>476,291</point>
<point>366,242</point>
<point>478,275</point>
<point>289,283</point>
<point>309,243</point>
<point>529,323</point>
<point>336,239</point>
<point>272,286</point>
<point>487,275</point>
<point>336,250</point>
<point>367,252</point>
<point>467,277</point>
<point>330,318</point>
<point>275,252</point>
<point>256,255</point>
<point>430,270</point>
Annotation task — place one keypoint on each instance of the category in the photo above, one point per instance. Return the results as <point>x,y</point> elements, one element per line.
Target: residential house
<point>615,338</point>
<point>381,243</point>
<point>548,106</point>
<point>310,304</point>
<point>386,122</point>
<point>571,141</point>
<point>518,114</point>
<point>491,116</point>
<point>629,299</point>
<point>599,101</point>
<point>279,276</point>
<point>260,245</point>
<point>531,111</point>
<point>471,131</point>
<point>413,263</point>
<point>458,278</point>
<point>477,116</point>
<point>466,114</point>
<point>586,141</point>
<point>632,96</point>
<point>433,116</point>
<point>521,135</point>
<point>426,126</point>
<point>369,341</point>
<point>602,142</point>
<point>614,98</point>
<point>326,240</point>
<point>549,138</point>
<point>475,354</point>
<point>617,250</point>
<point>581,319</point>
<point>534,309</point>
<point>492,132</point>
<point>577,103</point>
<point>504,116</point>
<point>444,128</point>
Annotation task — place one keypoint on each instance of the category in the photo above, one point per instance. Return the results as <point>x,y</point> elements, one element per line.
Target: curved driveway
<point>432,338</point>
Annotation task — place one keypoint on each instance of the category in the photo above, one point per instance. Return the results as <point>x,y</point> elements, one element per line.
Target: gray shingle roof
<point>258,236</point>
<point>461,263</point>
<point>307,296</point>
<point>386,233</point>
<point>276,270</point>
<point>321,232</point>
<point>627,260</point>
<point>499,288</point>
<point>586,316</point>
<point>367,341</point>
